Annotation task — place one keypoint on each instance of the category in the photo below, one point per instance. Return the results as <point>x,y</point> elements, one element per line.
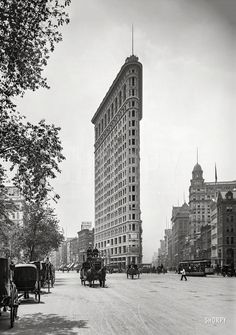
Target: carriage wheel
<point>12,316</point>
<point>15,312</point>
<point>37,296</point>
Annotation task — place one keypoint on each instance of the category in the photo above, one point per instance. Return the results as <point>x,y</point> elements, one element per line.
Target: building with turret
<point>201,195</point>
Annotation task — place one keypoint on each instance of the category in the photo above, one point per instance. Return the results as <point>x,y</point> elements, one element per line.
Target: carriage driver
<point>95,252</point>
<point>89,252</point>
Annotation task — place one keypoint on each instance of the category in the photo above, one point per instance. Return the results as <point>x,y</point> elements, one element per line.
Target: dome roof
<point>197,167</point>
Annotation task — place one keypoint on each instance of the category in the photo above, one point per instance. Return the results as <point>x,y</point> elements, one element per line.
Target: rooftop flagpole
<point>215,174</point>
<point>132,39</point>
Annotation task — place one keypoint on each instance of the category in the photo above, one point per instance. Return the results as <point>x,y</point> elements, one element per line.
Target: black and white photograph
<point>117,167</point>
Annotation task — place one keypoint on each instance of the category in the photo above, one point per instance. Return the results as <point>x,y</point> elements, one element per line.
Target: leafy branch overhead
<point>29,30</point>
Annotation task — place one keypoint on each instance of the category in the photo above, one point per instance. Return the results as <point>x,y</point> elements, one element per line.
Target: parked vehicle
<point>114,268</point>
<point>195,268</point>
<point>47,275</point>
<point>228,271</point>
<point>63,268</point>
<point>8,292</point>
<point>27,280</point>
<point>146,268</point>
<point>133,271</point>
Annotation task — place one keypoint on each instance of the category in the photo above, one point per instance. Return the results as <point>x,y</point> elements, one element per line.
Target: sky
<point>188,52</point>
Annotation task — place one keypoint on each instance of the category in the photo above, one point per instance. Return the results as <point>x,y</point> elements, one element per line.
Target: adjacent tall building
<point>201,194</point>
<point>118,225</point>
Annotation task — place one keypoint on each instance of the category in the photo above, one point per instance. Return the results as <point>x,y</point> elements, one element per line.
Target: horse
<point>91,276</point>
<point>102,276</point>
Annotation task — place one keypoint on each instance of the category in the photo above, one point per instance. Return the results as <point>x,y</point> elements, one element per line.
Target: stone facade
<point>226,228</point>
<point>201,195</point>
<point>118,225</point>
<point>85,239</point>
<point>180,230</point>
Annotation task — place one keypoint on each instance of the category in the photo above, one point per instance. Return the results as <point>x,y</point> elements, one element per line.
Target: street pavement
<point>153,304</point>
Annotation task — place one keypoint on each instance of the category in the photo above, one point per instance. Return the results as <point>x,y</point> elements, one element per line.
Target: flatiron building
<point>118,225</point>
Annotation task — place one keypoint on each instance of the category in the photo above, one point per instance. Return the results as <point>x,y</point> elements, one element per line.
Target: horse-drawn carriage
<point>93,270</point>
<point>47,275</point>
<point>27,281</point>
<point>133,271</point>
<point>8,291</point>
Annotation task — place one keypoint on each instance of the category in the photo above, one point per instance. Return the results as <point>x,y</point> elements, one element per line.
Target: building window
<point>232,240</point>
<point>124,92</point>
<point>120,101</point>
<point>227,240</point>
<point>105,120</point>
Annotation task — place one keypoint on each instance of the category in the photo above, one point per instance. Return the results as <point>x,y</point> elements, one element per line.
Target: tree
<point>40,233</point>
<point>29,30</point>
<point>8,229</point>
<point>35,151</point>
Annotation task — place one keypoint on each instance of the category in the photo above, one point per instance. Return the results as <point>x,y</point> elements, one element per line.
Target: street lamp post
<point>108,254</point>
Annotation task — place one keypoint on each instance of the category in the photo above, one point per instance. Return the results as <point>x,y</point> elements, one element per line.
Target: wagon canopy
<point>25,276</point>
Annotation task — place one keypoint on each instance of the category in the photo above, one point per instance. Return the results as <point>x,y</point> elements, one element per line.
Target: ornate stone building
<point>118,225</point>
<point>226,228</point>
<point>201,194</point>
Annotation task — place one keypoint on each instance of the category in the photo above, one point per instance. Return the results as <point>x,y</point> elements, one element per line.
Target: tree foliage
<point>35,151</point>
<point>29,30</point>
<point>40,233</point>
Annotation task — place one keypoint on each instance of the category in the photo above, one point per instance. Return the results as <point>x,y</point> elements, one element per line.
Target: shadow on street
<point>42,324</point>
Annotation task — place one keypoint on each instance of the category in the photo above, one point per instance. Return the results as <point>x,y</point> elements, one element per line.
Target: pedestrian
<point>183,275</point>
